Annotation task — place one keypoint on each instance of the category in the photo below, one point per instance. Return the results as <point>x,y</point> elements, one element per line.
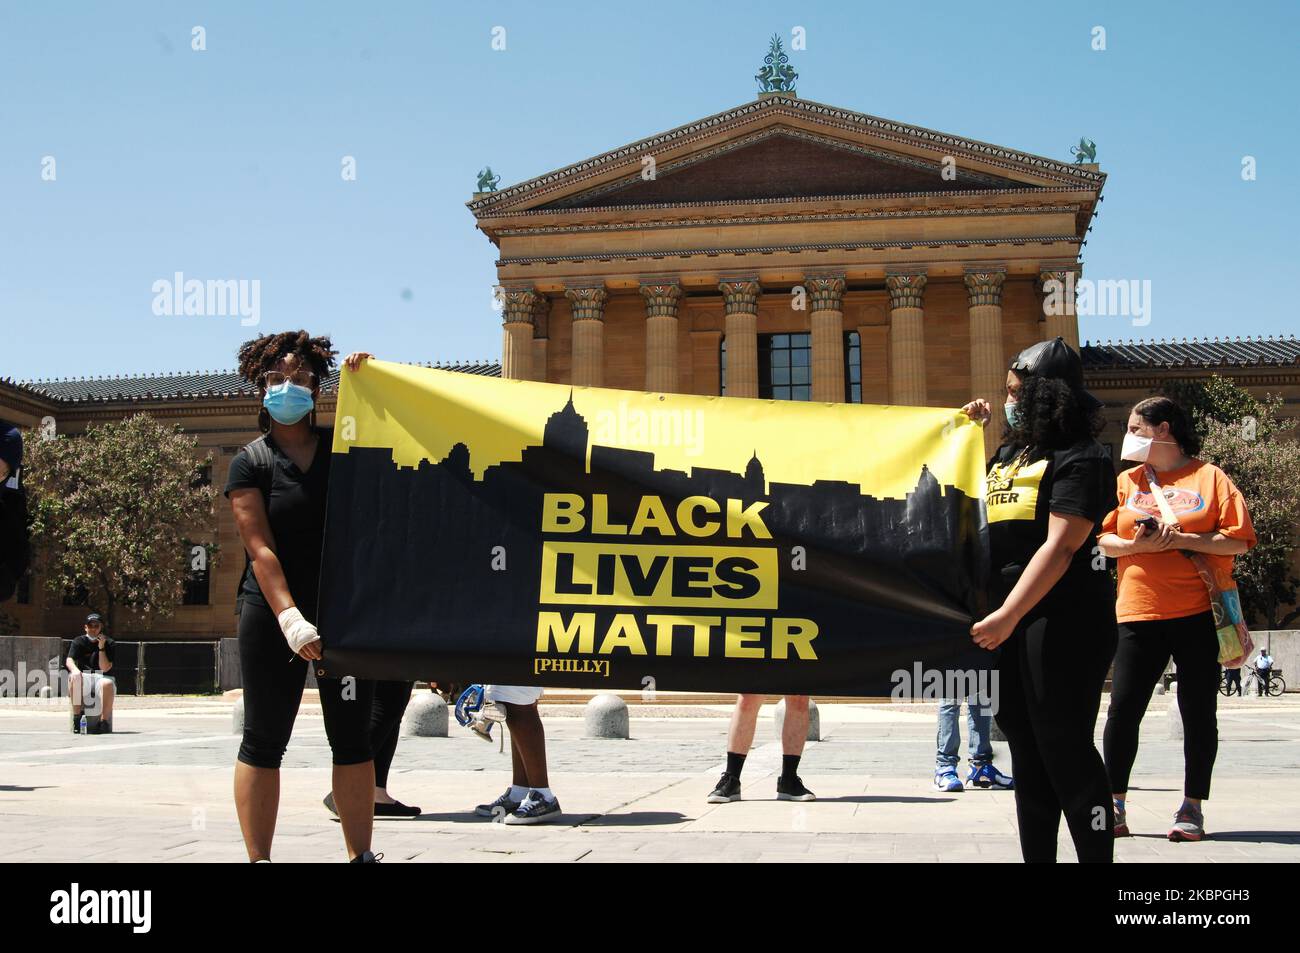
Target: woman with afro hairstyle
<point>1049,487</point>
<point>277,488</point>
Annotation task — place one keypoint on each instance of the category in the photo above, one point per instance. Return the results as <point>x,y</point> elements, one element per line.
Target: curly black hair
<point>263,352</point>
<point>1052,415</point>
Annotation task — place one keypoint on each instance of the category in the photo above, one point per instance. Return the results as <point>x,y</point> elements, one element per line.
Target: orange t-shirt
<point>1165,585</point>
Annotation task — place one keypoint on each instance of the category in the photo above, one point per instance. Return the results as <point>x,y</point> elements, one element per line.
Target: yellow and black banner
<point>516,532</point>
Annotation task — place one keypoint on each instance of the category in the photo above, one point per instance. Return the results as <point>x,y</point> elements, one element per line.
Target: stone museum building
<point>783,249</point>
<point>786,248</point>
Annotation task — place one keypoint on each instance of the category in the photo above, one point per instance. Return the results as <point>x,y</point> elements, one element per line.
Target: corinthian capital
<point>661,298</point>
<point>905,291</point>
<point>826,292</point>
<point>588,303</point>
<point>518,305</point>
<point>985,287</point>
<point>740,295</point>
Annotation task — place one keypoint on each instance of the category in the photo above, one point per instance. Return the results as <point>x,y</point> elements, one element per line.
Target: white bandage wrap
<point>297,630</point>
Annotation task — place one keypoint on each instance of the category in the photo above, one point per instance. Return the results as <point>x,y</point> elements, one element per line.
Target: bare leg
<point>354,796</point>
<point>794,731</point>
<point>74,691</point>
<point>518,775</point>
<point>744,719</point>
<point>527,745</point>
<point>107,692</point>
<point>257,801</point>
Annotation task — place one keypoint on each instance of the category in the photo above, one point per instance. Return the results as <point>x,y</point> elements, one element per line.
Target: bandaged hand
<point>298,632</point>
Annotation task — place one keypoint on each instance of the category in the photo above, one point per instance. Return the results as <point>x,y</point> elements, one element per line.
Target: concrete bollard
<point>237,716</point>
<point>1175,719</point>
<point>814,720</point>
<point>426,716</point>
<point>606,717</point>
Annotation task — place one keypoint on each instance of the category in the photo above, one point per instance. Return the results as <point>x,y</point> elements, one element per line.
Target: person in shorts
<point>529,799</point>
<point>90,687</point>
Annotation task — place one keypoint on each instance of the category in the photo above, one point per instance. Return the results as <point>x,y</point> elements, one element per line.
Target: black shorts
<point>274,678</point>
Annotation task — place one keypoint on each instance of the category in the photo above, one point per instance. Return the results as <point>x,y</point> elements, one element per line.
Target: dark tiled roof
<point>1198,352</point>
<point>190,385</point>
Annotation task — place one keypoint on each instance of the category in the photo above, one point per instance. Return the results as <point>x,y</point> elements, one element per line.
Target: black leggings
<point>385,720</point>
<point>274,678</point>
<point>1051,672</point>
<point>1144,650</point>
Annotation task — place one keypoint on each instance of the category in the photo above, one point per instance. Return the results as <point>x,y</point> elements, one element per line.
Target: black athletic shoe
<point>366,857</point>
<point>76,725</point>
<point>793,790</point>
<point>535,810</point>
<point>396,809</point>
<point>728,789</point>
<point>499,808</point>
<point>103,728</point>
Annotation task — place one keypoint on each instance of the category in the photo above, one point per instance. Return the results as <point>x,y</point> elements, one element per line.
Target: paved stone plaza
<point>159,790</point>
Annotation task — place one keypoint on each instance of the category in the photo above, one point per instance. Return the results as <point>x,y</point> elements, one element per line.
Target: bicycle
<point>1275,687</point>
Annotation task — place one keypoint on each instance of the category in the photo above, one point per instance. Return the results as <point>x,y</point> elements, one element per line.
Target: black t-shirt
<point>85,653</point>
<point>297,516</point>
<point>1024,487</point>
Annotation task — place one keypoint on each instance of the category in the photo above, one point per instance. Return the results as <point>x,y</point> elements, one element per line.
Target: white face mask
<point>1137,447</point>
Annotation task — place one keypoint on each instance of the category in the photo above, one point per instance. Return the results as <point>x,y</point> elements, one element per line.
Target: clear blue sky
<point>226,163</point>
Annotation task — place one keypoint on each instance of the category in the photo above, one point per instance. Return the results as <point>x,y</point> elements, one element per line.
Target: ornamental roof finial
<point>1085,152</point>
<point>777,75</point>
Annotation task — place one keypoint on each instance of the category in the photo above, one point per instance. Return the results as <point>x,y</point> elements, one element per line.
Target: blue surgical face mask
<point>288,403</point>
<point>1009,408</point>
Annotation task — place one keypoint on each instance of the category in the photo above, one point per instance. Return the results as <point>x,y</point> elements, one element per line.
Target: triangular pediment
<point>783,147</point>
<point>777,163</point>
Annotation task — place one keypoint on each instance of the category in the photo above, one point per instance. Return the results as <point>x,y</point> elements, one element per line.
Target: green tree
<point>111,508</point>
<point>1213,398</point>
<point>1250,441</point>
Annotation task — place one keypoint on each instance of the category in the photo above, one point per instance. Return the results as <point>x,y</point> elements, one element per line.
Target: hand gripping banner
<point>516,532</point>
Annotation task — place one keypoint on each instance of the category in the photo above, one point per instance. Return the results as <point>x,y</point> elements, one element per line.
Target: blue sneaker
<point>988,776</point>
<point>945,779</point>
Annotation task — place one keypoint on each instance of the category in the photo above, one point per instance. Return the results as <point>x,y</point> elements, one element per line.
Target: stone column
<point>906,339</point>
<point>988,366</point>
<point>661,300</point>
<point>740,304</point>
<point>517,346</point>
<point>826,319</point>
<point>588,335</point>
<point>541,335</point>
<point>1059,317</point>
